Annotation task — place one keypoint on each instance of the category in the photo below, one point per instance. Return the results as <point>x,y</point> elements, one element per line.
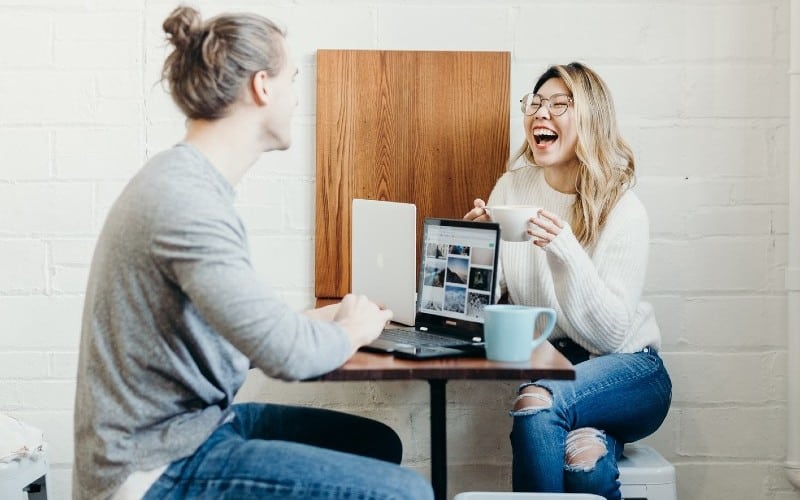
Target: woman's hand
<point>479,213</point>
<point>547,225</point>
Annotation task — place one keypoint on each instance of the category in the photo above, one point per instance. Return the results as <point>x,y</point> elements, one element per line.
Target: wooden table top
<point>545,363</point>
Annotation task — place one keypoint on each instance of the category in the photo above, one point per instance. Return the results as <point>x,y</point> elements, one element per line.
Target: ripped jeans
<point>567,435</point>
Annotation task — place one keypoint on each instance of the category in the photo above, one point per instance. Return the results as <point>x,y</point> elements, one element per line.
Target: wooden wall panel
<point>423,127</point>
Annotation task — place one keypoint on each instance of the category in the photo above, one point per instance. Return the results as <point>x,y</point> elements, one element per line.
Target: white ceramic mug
<point>513,220</point>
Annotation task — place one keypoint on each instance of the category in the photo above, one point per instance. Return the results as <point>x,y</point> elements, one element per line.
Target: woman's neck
<point>562,178</point>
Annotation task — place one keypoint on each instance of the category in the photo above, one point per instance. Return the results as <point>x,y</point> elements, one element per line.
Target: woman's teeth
<point>544,135</point>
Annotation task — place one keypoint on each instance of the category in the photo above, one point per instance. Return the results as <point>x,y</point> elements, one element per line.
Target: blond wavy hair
<point>606,161</point>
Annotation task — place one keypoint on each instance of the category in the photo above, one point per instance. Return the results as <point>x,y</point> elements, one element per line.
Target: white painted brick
<point>96,54</point>
<point>261,220</point>
<point>634,87</point>
<point>483,427</point>
<point>697,32</point>
<point>61,208</point>
<point>733,432</point>
<point>327,26</point>
<point>727,264</point>
<point>658,194</point>
<point>72,251</point>
<point>283,262</point>
<point>728,378</point>
<point>63,365</point>
<point>718,480</point>
<point>38,99</point>
<point>106,193</point>
<point>299,160</point>
<point>671,318</point>
<point>104,153</point>
<point>29,150</point>
<point>709,264</point>
<point>23,365</point>
<point>40,323</point>
<point>98,26</point>
<point>778,261</point>
<point>664,439</point>
<point>730,221</point>
<point>759,191</point>
<point>298,198</point>
<point>42,3</point>
<point>716,263</point>
<point>727,91</point>
<point>69,279</point>
<point>22,266</point>
<point>735,322</point>
<point>118,111</point>
<point>163,135</point>
<point>10,395</point>
<point>47,394</point>
<point>262,190</point>
<point>35,29</point>
<point>299,299</point>
<point>158,103</point>
<point>700,151</point>
<point>479,28</point>
<point>591,26</point>
<point>121,84</point>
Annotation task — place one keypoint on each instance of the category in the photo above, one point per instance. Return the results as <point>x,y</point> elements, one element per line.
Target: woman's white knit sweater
<point>596,291</point>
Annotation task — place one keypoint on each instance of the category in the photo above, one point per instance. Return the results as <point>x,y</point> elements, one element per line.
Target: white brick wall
<point>701,92</point>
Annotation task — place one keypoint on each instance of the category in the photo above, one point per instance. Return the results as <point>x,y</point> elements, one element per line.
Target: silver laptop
<point>457,278</point>
<point>384,255</point>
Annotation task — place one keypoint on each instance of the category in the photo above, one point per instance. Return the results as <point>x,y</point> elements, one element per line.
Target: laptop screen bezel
<point>461,328</point>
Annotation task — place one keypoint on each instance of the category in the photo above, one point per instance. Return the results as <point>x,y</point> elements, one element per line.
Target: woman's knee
<point>532,399</point>
<point>585,446</point>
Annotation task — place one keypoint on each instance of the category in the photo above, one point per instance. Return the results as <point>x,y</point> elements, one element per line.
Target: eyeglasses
<point>557,104</point>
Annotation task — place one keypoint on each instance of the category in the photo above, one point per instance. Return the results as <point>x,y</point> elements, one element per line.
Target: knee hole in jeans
<point>585,446</point>
<point>532,397</point>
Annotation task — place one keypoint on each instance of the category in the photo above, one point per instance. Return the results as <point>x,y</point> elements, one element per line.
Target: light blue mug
<point>508,330</point>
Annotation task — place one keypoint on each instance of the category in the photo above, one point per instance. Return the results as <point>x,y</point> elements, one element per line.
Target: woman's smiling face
<point>552,139</point>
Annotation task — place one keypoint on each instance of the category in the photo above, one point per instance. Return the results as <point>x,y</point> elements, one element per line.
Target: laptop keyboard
<point>420,338</point>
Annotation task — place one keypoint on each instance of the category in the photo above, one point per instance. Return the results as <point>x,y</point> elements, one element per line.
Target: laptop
<point>457,278</point>
<point>384,255</point>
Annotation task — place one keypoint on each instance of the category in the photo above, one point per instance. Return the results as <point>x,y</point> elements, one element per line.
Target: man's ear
<point>259,87</point>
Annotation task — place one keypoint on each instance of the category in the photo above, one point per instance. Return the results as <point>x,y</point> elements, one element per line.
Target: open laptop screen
<point>458,273</point>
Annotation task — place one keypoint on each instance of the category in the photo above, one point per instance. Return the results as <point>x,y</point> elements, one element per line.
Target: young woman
<point>587,259</point>
<point>175,314</point>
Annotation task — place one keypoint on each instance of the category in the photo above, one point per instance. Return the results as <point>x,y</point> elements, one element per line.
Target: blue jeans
<point>621,397</point>
<point>275,451</point>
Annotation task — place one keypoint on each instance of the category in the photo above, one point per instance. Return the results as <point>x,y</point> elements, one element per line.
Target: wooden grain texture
<point>545,363</point>
<point>423,127</point>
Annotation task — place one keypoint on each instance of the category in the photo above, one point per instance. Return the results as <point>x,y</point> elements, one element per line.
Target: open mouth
<point>544,136</point>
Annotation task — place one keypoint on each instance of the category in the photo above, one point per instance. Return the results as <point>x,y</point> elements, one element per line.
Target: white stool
<point>25,475</point>
<point>646,475</point>
<point>498,495</point>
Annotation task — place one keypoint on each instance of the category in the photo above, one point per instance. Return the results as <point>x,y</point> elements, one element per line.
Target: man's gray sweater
<point>174,316</point>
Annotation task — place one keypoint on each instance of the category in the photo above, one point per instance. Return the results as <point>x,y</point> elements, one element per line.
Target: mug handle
<point>548,328</point>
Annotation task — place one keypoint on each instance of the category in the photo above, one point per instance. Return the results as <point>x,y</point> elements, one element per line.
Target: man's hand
<point>362,319</point>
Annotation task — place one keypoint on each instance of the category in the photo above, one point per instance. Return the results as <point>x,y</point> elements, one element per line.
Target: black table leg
<point>438,439</point>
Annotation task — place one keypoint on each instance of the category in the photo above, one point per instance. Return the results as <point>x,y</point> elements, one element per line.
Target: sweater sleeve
<point>599,294</point>
<point>203,251</point>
